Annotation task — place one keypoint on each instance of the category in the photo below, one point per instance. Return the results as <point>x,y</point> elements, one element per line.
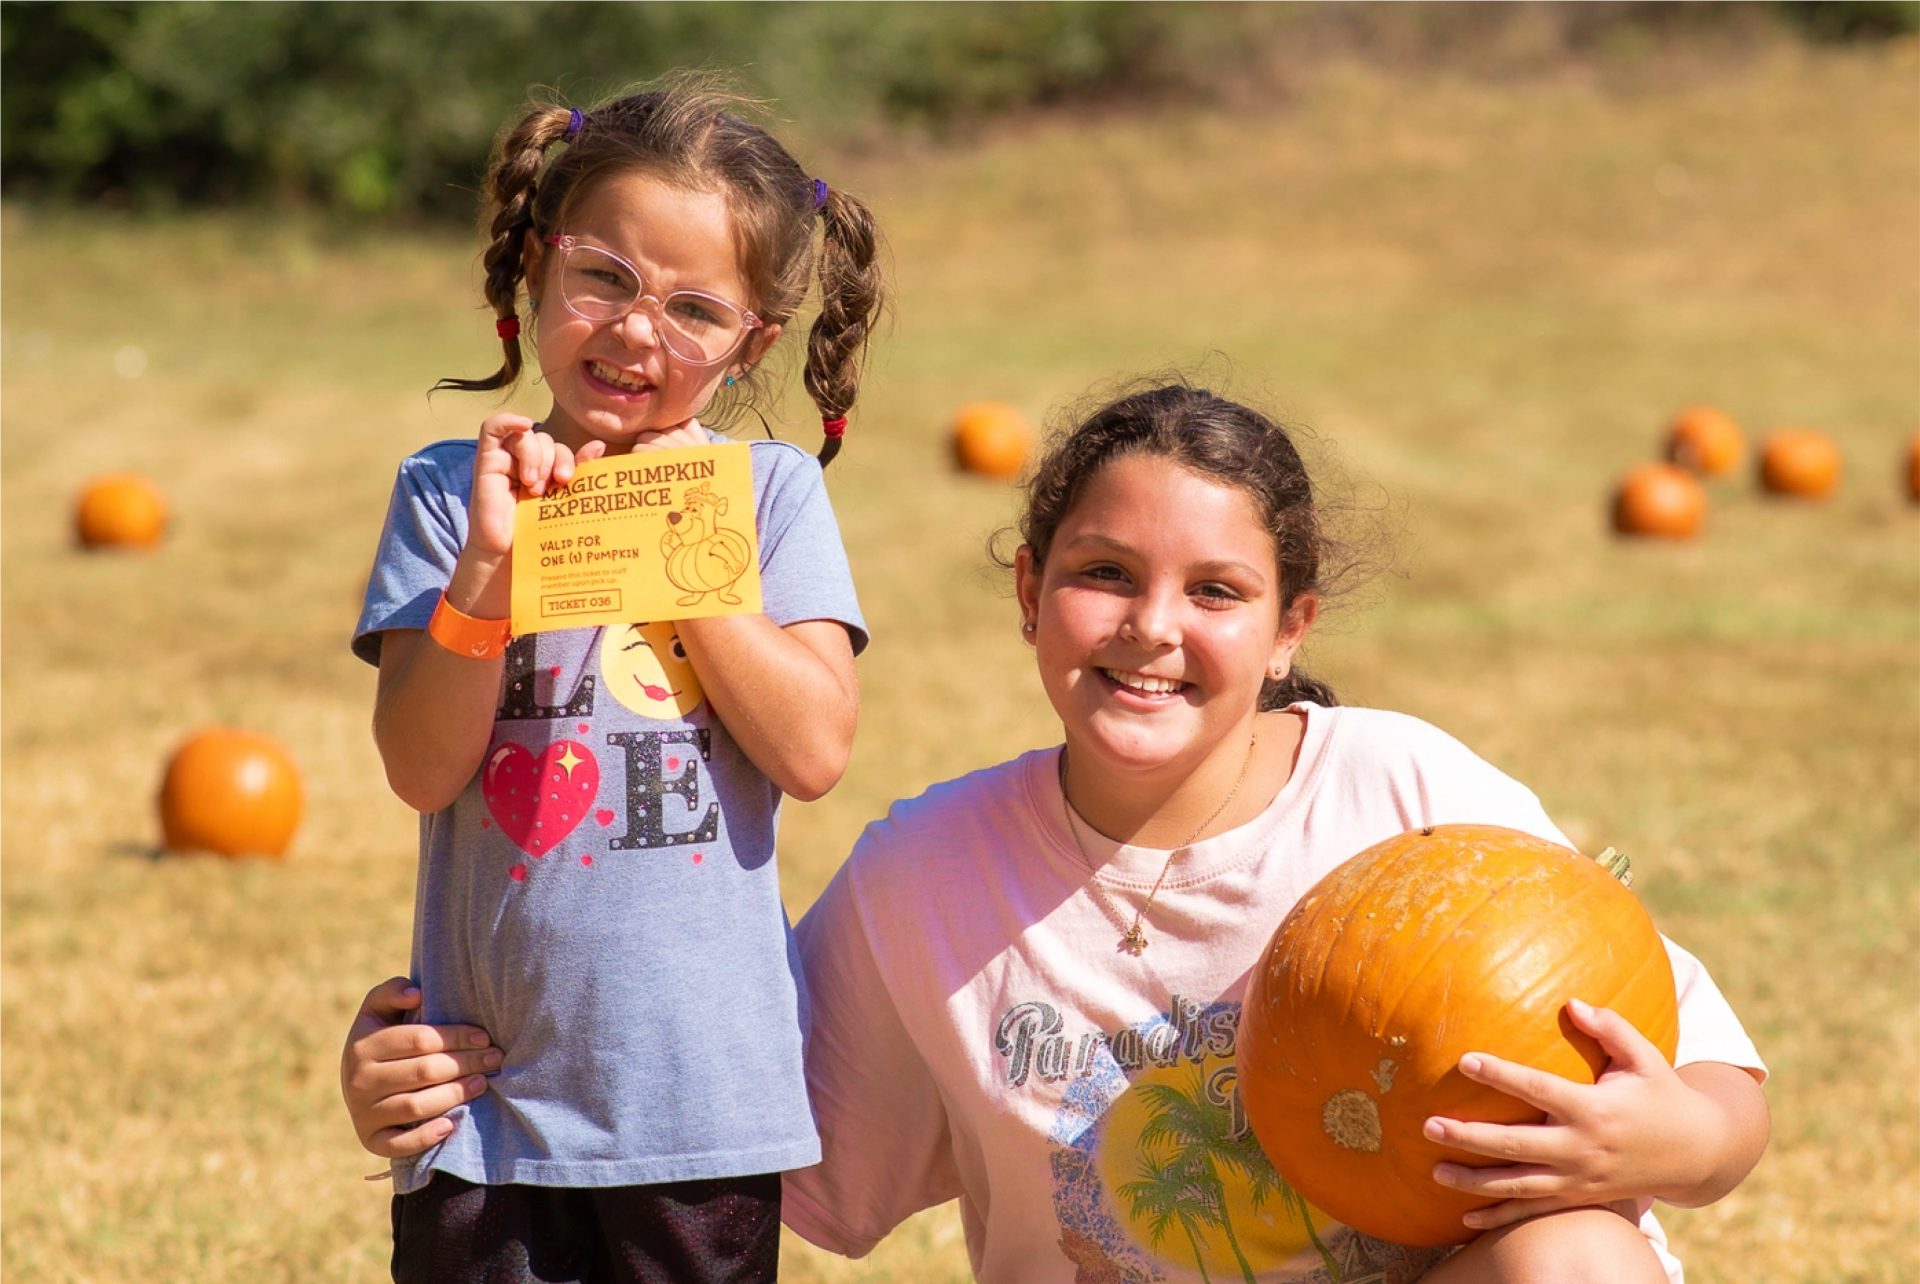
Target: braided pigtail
<point>851,297</point>
<point>512,181</point>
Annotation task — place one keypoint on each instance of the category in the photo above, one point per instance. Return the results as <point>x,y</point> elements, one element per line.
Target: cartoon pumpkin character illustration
<point>703,556</point>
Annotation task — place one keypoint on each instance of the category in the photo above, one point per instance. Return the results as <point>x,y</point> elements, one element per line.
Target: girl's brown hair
<point>689,130</point>
<point>1218,439</point>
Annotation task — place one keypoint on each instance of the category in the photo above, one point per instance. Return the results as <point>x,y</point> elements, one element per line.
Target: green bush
<point>377,108</point>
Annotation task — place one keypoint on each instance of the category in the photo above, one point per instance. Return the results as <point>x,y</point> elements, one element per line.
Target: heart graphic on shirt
<point>538,801</point>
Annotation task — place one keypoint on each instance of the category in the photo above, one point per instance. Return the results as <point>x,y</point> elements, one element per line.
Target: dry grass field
<point>1482,299</point>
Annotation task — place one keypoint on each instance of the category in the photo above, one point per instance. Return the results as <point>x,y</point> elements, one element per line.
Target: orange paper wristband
<point>461,634</point>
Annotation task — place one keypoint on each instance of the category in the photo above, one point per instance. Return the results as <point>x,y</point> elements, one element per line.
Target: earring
<point>1027,628</point>
<point>729,383</point>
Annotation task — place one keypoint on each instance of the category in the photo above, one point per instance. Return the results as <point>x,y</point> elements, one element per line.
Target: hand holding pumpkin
<point>1639,1131</point>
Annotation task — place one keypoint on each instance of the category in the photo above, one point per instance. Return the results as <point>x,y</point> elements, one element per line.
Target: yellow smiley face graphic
<point>646,669</point>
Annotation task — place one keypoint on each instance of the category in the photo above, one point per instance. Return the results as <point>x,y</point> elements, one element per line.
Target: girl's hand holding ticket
<point>513,460</point>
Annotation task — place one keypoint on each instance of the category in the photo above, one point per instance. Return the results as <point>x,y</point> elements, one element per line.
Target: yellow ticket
<point>657,535</point>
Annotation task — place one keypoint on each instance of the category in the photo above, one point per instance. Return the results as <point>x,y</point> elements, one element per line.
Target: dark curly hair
<point>1216,438</point>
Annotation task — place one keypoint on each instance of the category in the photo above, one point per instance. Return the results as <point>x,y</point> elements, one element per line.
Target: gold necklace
<point>1134,940</point>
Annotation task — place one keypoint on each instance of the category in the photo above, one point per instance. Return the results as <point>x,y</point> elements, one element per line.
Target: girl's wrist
<point>481,585</point>
<point>1699,1157</point>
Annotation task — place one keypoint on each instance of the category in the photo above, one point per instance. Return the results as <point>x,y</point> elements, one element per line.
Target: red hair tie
<point>834,427</point>
<point>507,327</point>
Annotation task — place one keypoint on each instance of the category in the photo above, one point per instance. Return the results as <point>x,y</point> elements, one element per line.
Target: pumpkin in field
<point>1799,462</point>
<point>1430,945</point>
<point>229,791</point>
<point>120,510</point>
<point>1661,500</point>
<point>991,438</point>
<point>1706,441</point>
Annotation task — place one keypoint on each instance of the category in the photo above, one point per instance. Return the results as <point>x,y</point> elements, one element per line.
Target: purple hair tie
<point>574,121</point>
<point>819,193</point>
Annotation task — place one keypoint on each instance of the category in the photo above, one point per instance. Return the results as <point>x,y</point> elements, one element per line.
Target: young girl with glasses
<point>1027,983</point>
<point>597,884</point>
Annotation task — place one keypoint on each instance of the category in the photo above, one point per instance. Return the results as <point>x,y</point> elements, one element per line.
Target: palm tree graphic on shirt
<point>1186,1146</point>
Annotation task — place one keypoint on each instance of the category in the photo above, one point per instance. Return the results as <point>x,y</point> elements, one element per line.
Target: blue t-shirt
<point>602,897</point>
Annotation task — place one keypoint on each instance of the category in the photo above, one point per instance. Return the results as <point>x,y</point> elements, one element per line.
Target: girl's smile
<point>615,382</point>
<point>1142,684</point>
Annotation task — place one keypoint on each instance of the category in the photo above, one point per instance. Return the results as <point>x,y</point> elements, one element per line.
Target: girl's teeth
<point>1141,682</point>
<point>618,378</point>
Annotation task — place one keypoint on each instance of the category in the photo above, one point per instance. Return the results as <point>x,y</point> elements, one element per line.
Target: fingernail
<point>477,1084</point>
<point>1580,1007</point>
<point>1470,1064</point>
<point>442,1130</point>
<point>1444,1174</point>
<point>411,992</point>
<point>477,1040</point>
<point>1434,1130</point>
<point>493,1059</point>
<point>1474,1220</point>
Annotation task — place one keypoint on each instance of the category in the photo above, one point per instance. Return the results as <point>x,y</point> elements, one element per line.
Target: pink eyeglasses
<point>599,285</point>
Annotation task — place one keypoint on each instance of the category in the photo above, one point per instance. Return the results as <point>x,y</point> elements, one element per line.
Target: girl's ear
<point>1026,583</point>
<point>532,257</point>
<point>757,345</point>
<point>1293,631</point>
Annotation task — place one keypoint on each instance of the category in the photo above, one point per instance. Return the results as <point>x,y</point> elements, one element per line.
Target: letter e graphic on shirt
<point>649,767</point>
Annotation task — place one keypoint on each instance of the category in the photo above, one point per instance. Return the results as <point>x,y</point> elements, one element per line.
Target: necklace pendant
<point>1135,941</point>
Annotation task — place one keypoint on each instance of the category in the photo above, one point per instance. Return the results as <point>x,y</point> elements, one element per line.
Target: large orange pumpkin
<point>120,510</point>
<point>1705,440</point>
<point>1661,500</point>
<point>230,791</point>
<point>1799,462</point>
<point>991,438</point>
<point>1430,945</point>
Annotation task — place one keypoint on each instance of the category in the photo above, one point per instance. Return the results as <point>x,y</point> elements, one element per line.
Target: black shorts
<point>725,1231</point>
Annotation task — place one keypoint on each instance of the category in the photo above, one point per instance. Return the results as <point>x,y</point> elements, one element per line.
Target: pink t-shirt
<point>977,1035</point>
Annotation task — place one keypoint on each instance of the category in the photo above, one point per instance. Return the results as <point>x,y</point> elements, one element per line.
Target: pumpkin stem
<point>1617,864</point>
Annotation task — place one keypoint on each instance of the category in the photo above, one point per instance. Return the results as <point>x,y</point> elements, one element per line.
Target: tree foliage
<point>371,108</point>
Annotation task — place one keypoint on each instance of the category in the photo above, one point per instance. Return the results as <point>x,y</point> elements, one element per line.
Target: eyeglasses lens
<point>695,327</point>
